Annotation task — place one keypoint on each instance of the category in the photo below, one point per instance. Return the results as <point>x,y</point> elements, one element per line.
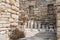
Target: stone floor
<point>33,38</point>
<point>3,36</point>
<point>42,36</point>
<point>38,36</point>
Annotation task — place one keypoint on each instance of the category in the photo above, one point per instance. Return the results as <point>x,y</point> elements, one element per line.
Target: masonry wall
<point>58,18</point>
<point>9,10</point>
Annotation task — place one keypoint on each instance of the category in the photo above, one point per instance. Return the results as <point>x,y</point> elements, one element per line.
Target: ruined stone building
<point>31,17</point>
<point>42,17</point>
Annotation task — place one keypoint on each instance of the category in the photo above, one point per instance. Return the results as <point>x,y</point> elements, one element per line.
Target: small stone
<point>58,22</point>
<point>4,22</point>
<point>15,8</point>
<point>2,8</point>
<point>17,4</point>
<point>15,16</point>
<point>7,1</point>
<point>11,11</point>
<point>5,19</point>
<point>5,15</point>
<point>15,24</point>
<point>6,25</point>
<point>11,20</point>
<point>12,2</point>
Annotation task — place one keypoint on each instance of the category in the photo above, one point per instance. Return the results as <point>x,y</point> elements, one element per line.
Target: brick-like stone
<point>15,16</point>
<point>58,8</point>
<point>32,3</point>
<point>12,2</point>
<point>5,15</point>
<point>58,29</point>
<point>11,20</point>
<point>58,33</point>
<point>15,8</point>
<point>15,24</point>
<point>3,22</point>
<point>4,29</point>
<point>5,4</point>
<point>58,16</point>
<point>57,1</point>
<point>58,22</point>
<point>5,19</point>
<point>6,25</point>
<point>17,4</point>
<point>11,11</point>
<point>2,8</point>
<point>7,1</point>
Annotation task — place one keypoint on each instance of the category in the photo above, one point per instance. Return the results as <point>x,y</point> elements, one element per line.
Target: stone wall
<point>9,10</point>
<point>58,19</point>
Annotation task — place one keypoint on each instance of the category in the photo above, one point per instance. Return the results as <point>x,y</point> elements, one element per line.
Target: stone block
<point>58,29</point>
<point>12,2</point>
<point>4,19</point>
<point>3,22</point>
<point>15,16</point>
<point>3,35</point>
<point>5,15</point>
<point>15,24</point>
<point>7,1</point>
<point>17,4</point>
<point>21,11</point>
<point>4,29</point>
<point>6,25</point>
<point>2,8</point>
<point>17,0</point>
<point>58,16</point>
<point>57,1</point>
<point>32,3</point>
<point>6,5</point>
<point>11,11</point>
<point>11,20</point>
<point>58,22</point>
<point>2,0</point>
<point>15,8</point>
<point>58,33</point>
<point>58,8</point>
<point>2,13</point>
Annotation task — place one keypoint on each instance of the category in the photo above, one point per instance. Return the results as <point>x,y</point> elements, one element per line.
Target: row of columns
<point>38,25</point>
